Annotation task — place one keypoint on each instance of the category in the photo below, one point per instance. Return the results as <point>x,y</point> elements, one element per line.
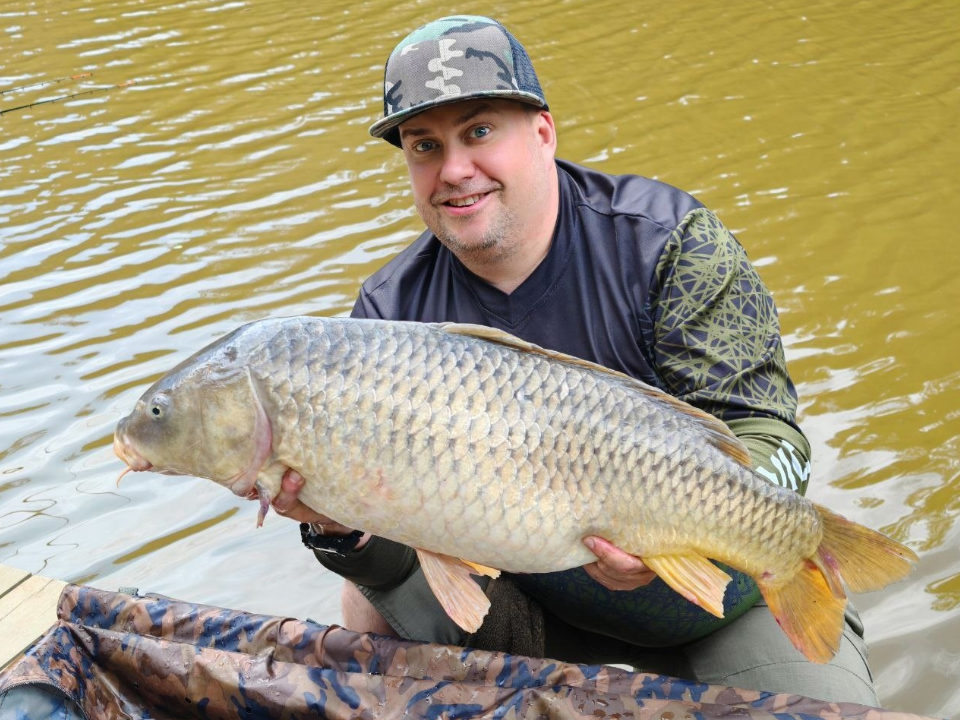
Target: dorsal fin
<point>717,432</point>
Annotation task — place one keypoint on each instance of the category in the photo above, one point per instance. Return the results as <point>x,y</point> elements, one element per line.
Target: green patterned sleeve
<point>717,345</point>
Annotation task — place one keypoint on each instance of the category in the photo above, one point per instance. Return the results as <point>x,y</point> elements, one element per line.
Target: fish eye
<point>158,407</point>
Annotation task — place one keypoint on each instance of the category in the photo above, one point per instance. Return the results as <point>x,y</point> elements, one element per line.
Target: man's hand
<point>615,569</point>
<point>287,503</point>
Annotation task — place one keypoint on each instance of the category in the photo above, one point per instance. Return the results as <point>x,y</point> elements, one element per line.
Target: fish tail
<point>865,559</point>
<point>809,607</point>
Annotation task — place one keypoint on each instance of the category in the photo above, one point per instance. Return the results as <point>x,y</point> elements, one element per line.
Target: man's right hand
<point>287,503</point>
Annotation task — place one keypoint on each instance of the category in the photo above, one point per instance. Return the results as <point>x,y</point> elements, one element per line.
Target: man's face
<point>481,172</point>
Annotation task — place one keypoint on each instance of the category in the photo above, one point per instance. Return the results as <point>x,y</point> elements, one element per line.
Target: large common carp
<point>483,451</point>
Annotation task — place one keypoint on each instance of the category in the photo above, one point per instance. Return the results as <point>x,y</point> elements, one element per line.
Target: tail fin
<point>864,558</point>
<point>810,605</point>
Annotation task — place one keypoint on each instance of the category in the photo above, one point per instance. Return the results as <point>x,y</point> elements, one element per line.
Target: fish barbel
<point>485,452</point>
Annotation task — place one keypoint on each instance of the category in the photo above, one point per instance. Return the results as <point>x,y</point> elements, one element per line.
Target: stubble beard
<point>498,243</point>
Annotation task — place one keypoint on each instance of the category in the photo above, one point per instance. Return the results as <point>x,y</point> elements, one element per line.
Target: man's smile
<point>464,202</point>
<point>462,205</point>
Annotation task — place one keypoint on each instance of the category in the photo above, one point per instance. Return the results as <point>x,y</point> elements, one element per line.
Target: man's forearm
<point>380,564</point>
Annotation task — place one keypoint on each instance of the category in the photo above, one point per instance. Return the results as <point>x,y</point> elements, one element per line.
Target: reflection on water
<point>234,180</point>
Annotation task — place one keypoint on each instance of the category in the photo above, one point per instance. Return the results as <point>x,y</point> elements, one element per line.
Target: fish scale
<point>465,442</point>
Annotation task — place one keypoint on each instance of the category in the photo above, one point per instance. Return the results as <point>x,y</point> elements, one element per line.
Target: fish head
<point>204,418</point>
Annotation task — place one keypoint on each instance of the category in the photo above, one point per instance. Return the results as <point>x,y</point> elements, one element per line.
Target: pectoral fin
<point>458,593</point>
<point>263,494</point>
<point>693,576</point>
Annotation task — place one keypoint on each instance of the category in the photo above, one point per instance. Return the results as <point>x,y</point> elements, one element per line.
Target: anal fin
<point>458,593</point>
<point>693,576</point>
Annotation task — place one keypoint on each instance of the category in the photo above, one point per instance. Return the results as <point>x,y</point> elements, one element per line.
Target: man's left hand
<point>616,569</point>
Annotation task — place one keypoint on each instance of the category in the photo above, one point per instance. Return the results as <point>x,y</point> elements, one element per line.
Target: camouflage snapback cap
<point>452,59</point>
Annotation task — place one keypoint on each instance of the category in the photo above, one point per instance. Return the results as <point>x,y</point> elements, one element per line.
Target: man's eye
<point>423,146</point>
<point>480,131</point>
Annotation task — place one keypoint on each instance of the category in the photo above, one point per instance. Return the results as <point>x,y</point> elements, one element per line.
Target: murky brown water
<point>235,180</point>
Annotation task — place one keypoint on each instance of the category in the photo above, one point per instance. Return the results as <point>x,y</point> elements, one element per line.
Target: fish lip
<point>123,449</point>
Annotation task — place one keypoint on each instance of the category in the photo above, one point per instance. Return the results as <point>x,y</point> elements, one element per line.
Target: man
<point>619,270</point>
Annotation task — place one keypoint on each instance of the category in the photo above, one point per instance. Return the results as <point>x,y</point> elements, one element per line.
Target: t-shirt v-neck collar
<point>512,310</point>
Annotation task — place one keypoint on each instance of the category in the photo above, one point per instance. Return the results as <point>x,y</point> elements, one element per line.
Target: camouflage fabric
<point>119,656</point>
<point>453,59</point>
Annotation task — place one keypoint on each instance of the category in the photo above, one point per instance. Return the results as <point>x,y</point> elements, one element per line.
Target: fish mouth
<point>134,461</point>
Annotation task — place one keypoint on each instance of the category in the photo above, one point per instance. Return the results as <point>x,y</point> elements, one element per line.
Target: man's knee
<point>359,614</point>
<point>753,653</point>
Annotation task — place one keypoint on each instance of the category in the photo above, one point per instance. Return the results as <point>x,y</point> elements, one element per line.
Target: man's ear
<point>546,131</point>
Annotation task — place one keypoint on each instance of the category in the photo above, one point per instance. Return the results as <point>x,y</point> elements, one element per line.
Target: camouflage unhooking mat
<point>113,655</point>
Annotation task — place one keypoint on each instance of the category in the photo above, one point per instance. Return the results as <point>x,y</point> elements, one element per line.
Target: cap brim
<point>382,128</point>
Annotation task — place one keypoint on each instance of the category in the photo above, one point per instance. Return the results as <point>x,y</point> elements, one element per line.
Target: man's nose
<point>458,165</point>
